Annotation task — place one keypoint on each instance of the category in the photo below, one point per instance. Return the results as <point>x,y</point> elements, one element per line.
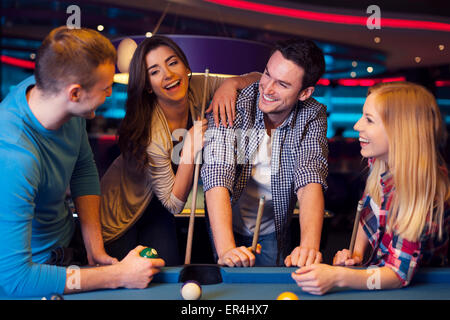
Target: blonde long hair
<point>415,131</point>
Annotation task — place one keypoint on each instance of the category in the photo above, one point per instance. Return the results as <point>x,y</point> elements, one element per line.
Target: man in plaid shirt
<point>278,149</point>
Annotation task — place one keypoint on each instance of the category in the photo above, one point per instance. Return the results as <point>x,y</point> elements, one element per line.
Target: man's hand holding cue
<point>243,256</point>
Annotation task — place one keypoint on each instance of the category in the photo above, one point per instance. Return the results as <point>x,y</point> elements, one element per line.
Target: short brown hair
<point>71,56</point>
<point>306,54</point>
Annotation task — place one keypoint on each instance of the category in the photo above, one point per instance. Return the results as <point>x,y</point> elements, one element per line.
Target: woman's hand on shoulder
<point>223,104</point>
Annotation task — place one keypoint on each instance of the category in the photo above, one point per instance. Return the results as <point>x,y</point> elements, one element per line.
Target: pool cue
<point>258,224</point>
<point>187,258</point>
<point>355,228</point>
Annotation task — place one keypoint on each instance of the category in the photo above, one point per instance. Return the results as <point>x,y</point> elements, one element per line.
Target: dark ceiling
<point>419,7</point>
<point>397,49</point>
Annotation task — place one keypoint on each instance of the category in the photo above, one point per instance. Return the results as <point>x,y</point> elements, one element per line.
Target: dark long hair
<point>134,131</point>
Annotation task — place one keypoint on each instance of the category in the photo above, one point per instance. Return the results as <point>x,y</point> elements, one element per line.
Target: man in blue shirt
<point>276,149</point>
<point>45,149</point>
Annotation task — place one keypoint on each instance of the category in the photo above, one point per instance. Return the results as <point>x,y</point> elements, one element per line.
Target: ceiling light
<point>100,27</point>
<point>377,39</point>
<point>417,59</point>
<point>369,69</point>
<point>441,47</point>
<point>149,34</point>
<point>353,74</point>
<point>354,64</point>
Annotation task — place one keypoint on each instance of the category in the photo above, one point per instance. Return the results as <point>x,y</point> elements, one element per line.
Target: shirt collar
<point>386,179</point>
<point>387,182</point>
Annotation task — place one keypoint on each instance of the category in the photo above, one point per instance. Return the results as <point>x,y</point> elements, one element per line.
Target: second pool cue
<point>355,228</point>
<point>258,224</point>
<point>187,258</point>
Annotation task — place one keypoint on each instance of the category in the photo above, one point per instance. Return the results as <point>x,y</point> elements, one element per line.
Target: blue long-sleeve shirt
<point>36,167</point>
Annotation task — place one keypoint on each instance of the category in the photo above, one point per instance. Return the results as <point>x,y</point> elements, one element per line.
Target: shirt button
<point>415,254</point>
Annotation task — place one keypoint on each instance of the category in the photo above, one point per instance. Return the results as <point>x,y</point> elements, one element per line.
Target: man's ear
<point>306,93</point>
<point>74,92</point>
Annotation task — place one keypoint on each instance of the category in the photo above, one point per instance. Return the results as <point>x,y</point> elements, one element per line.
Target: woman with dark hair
<point>150,181</point>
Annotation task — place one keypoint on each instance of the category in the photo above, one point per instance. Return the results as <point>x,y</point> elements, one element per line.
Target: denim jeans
<point>269,250</point>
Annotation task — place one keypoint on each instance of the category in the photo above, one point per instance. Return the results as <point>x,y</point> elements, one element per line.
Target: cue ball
<point>191,290</point>
<point>287,296</point>
<point>149,253</point>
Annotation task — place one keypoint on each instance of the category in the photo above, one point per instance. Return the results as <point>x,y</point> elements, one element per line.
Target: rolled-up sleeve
<point>161,175</point>
<point>219,157</point>
<point>312,164</point>
<point>402,258</point>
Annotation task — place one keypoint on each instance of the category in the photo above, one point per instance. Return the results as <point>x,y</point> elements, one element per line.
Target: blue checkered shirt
<point>299,154</point>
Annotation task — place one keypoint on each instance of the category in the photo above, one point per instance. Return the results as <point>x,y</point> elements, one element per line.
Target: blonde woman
<point>405,216</point>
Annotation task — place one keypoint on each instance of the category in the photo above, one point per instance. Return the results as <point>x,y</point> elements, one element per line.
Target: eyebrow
<point>112,83</point>
<point>155,65</point>
<point>280,81</point>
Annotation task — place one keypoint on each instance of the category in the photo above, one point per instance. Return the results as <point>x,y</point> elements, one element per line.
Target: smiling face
<point>280,87</point>
<point>372,133</point>
<point>168,75</point>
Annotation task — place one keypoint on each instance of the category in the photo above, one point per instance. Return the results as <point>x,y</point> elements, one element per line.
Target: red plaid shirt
<point>390,249</point>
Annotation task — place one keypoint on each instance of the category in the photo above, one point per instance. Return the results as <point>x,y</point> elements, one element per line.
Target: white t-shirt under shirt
<point>246,209</point>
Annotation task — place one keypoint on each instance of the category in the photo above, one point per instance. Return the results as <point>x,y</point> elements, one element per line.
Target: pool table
<point>261,283</point>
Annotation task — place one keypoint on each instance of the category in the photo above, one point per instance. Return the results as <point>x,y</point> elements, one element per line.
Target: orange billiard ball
<point>287,296</point>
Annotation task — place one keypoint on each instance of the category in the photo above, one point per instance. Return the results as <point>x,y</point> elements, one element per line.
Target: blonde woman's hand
<point>316,279</point>
<point>342,258</point>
